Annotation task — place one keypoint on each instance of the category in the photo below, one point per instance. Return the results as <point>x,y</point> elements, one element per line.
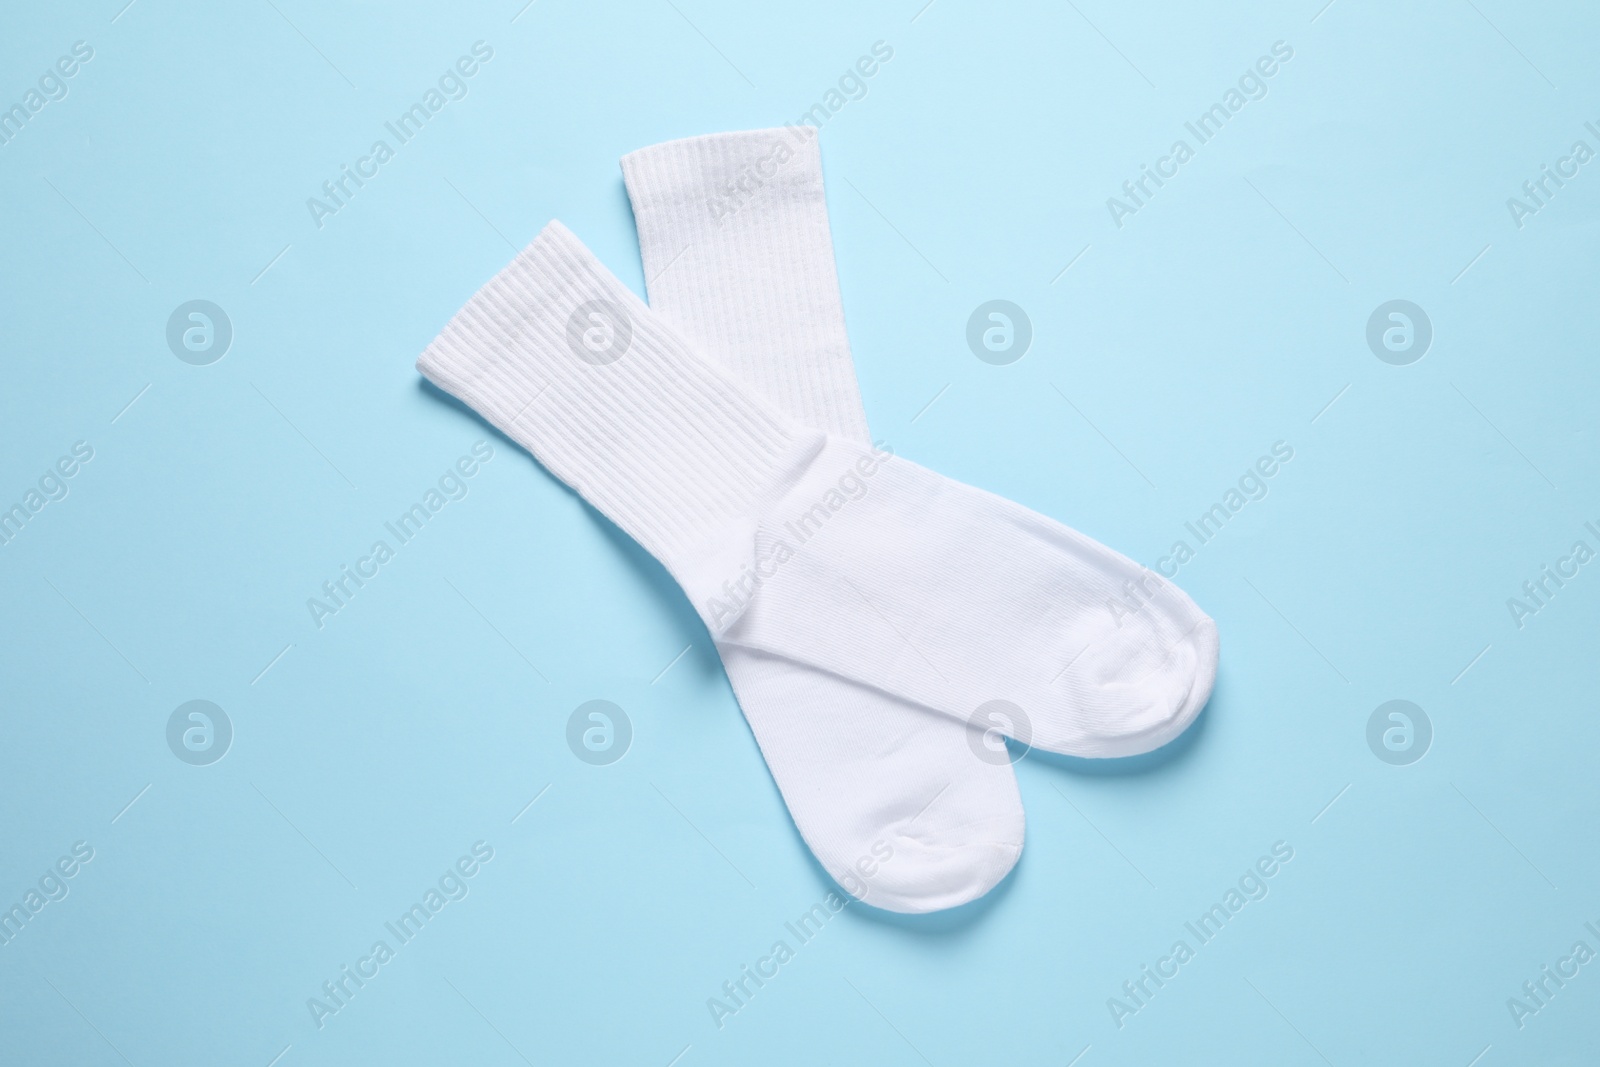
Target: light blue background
<point>1227,314</point>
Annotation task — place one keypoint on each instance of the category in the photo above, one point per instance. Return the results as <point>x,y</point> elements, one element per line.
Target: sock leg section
<point>892,800</point>
<point>738,256</point>
<point>814,548</point>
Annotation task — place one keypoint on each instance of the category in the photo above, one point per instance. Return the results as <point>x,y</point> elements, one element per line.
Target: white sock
<point>733,229</point>
<point>738,256</point>
<point>753,286</point>
<point>814,548</point>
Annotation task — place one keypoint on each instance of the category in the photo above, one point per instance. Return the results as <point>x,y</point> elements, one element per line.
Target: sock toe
<point>1139,690</point>
<point>945,869</point>
<point>1175,694</point>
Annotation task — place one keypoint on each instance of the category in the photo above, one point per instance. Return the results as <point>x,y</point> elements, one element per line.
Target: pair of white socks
<point>881,625</point>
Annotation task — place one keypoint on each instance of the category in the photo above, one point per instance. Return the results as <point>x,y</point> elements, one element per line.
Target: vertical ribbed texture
<point>749,273</point>
<point>658,439</point>
<point>738,257</point>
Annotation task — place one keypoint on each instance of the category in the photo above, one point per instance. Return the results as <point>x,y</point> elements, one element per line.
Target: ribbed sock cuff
<point>738,255</point>
<point>566,361</point>
<point>720,173</point>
